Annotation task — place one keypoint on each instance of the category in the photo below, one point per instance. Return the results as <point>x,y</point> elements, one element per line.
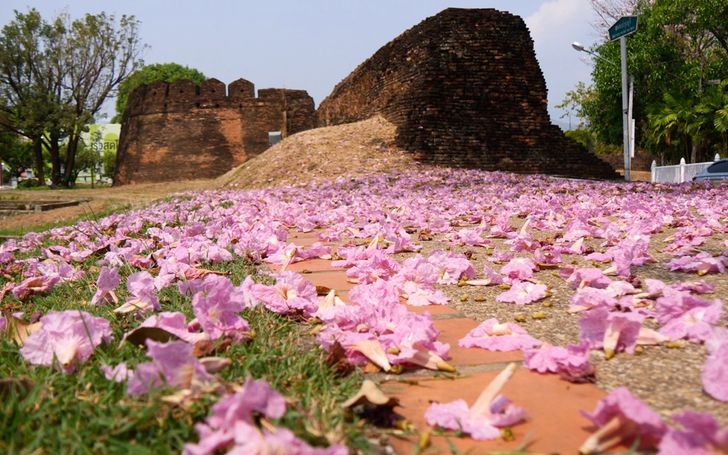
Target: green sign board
<point>624,26</point>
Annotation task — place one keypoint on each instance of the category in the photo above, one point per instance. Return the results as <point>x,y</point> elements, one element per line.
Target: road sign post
<point>620,30</point>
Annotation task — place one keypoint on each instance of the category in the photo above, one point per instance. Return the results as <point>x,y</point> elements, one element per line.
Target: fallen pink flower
<point>700,435</point>
<point>523,293</point>
<point>142,296</point>
<point>518,269</point>
<point>453,266</point>
<point>65,339</point>
<point>378,266</point>
<point>494,336</point>
<point>217,309</point>
<point>233,426</point>
<point>588,276</point>
<point>34,285</point>
<point>107,281</point>
<point>715,373</point>
<point>291,294</point>
<point>174,323</point>
<point>571,362</point>
<point>615,332</point>
<point>622,418</point>
<point>119,373</point>
<point>702,264</point>
<point>172,364</point>
<point>490,412</point>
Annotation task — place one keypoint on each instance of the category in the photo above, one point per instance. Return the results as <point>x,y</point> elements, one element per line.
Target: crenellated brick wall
<point>464,89</point>
<point>182,131</point>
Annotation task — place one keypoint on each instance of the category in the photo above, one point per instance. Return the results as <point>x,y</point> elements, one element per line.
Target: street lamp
<point>627,102</point>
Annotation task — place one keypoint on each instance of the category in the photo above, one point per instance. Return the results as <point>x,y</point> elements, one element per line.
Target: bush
<point>29,183</point>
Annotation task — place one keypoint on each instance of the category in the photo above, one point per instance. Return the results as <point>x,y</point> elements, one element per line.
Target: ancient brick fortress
<point>181,131</point>
<point>463,87</point>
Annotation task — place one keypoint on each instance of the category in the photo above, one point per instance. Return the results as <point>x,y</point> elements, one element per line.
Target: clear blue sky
<point>313,44</point>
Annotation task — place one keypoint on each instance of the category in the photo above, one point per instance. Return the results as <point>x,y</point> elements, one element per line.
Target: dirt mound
<point>323,154</point>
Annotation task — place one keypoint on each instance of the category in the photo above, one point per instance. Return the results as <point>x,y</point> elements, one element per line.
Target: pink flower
<point>291,294</point>
<point>232,426</point>
<point>119,373</point>
<point>174,323</point>
<point>715,373</point>
<point>35,285</point>
<point>217,308</point>
<point>702,263</point>
<point>494,336</point>
<point>452,266</point>
<point>483,420</point>
<point>547,255</point>
<point>588,276</point>
<point>107,281</point>
<point>586,298</point>
<point>142,296</point>
<point>518,269</point>
<point>620,417</point>
<point>612,331</point>
<point>377,266</point>
<point>572,362</point>
<point>700,435</point>
<point>684,316</point>
<point>376,327</point>
<point>66,338</point>
<point>470,237</point>
<point>523,293</point>
<point>172,364</point>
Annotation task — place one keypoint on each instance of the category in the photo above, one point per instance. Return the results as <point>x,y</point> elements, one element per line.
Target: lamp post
<point>627,101</point>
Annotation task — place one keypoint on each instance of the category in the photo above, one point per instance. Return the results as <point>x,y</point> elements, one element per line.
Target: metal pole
<point>630,116</point>
<point>625,107</point>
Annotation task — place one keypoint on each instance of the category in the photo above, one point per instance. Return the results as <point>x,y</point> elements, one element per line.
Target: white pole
<point>630,116</point>
<point>625,108</point>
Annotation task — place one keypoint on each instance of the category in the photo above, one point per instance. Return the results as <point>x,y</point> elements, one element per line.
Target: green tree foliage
<point>55,77</point>
<point>16,153</point>
<point>677,54</point>
<point>167,72</point>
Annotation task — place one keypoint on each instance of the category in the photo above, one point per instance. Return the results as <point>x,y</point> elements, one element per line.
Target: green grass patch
<point>84,413</point>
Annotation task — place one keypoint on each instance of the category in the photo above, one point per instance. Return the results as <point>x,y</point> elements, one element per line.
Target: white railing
<point>679,173</point>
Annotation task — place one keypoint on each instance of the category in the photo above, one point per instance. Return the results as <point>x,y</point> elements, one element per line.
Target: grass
<point>83,413</point>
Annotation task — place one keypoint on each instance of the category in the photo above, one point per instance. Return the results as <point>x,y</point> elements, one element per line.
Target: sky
<point>314,44</point>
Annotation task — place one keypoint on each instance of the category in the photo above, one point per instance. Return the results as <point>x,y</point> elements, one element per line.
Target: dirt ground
<point>94,201</point>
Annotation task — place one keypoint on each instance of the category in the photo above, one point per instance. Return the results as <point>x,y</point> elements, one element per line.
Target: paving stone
<point>332,280</point>
<point>452,330</point>
<point>309,266</point>
<point>554,423</point>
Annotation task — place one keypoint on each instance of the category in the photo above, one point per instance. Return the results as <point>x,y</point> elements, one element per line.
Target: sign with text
<point>624,26</point>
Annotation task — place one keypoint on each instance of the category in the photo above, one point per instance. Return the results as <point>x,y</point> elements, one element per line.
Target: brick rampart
<point>464,89</point>
<point>182,131</point>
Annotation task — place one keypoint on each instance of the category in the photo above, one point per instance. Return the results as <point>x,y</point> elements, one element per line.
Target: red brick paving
<point>554,423</point>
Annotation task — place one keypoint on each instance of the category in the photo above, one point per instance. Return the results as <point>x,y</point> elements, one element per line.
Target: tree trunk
<point>38,155</point>
<point>68,174</point>
<point>54,151</point>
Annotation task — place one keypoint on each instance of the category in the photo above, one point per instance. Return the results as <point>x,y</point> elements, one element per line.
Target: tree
<point>167,72</point>
<point>678,50</point>
<point>54,78</point>
<point>100,55</point>
<point>25,103</point>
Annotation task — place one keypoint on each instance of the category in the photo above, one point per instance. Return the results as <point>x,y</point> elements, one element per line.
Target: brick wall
<point>182,131</point>
<point>464,89</point>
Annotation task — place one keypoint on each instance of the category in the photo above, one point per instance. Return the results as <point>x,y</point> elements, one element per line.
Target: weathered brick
<point>464,89</point>
<point>183,131</point>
